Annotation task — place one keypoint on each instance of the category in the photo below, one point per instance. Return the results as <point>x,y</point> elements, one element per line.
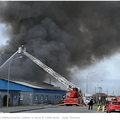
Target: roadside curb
<point>44,107</point>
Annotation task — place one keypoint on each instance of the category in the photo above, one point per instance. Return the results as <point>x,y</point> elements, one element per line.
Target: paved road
<point>64,109</point>
<point>15,109</point>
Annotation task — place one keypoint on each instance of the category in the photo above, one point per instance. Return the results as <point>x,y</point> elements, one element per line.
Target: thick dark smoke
<point>61,34</point>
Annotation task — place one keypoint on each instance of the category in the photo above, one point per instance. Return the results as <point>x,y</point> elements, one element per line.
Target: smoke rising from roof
<point>61,34</point>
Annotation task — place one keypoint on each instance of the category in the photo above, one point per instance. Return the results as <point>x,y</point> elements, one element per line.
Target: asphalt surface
<point>15,109</point>
<point>37,107</point>
<point>65,109</point>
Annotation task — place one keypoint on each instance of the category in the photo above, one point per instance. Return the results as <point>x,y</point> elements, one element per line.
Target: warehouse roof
<point>33,85</point>
<point>41,86</point>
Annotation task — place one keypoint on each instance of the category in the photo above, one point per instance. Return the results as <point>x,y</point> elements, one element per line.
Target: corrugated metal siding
<point>3,84</point>
<point>16,86</point>
<point>13,86</point>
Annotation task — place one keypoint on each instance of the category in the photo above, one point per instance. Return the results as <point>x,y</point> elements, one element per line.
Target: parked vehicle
<point>113,106</point>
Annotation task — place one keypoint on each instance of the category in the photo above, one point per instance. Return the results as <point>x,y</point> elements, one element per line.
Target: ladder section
<point>60,78</point>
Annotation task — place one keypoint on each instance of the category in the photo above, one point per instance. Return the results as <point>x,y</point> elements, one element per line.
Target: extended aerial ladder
<point>75,95</point>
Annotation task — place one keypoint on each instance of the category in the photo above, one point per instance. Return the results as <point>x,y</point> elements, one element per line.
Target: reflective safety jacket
<point>99,103</point>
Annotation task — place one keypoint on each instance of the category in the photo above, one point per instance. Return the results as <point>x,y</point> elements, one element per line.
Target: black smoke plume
<point>62,35</point>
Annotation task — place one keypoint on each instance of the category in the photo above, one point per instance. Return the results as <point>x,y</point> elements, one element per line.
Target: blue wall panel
<point>14,86</point>
<point>23,88</point>
<point>3,84</point>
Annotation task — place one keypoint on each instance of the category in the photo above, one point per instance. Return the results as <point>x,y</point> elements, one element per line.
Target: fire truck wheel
<point>67,104</point>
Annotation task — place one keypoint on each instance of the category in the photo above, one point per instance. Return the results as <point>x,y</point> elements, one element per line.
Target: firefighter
<point>62,99</point>
<point>22,46</point>
<point>99,103</point>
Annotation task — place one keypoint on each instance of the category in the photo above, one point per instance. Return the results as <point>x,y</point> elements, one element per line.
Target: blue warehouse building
<point>28,94</point>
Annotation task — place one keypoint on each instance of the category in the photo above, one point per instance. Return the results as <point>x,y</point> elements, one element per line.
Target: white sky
<point>105,74</point>
<point>107,70</point>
